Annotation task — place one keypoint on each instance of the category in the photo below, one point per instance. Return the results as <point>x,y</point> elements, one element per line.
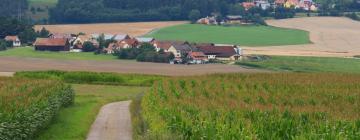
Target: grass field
<point>31,53</point>
<point>254,106</point>
<point>240,35</point>
<point>306,64</point>
<point>75,121</point>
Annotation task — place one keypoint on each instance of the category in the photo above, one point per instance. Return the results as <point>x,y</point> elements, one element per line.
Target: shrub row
<point>93,77</point>
<point>254,106</point>
<point>28,106</point>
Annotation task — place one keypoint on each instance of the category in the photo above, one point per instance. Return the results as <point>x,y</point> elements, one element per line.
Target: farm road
<point>112,123</point>
<point>331,37</point>
<point>15,64</point>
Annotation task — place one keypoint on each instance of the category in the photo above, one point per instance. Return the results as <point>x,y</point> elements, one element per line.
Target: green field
<point>240,35</point>
<point>75,121</point>
<point>285,106</point>
<point>306,64</point>
<point>30,52</point>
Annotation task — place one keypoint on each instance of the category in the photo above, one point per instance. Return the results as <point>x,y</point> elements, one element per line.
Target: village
<point>177,52</point>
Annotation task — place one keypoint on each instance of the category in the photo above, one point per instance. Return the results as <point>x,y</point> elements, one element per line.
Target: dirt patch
<point>133,29</point>
<point>7,74</point>
<point>331,37</point>
<point>15,64</point>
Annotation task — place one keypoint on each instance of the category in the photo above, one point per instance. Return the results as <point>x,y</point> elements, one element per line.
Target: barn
<point>52,44</point>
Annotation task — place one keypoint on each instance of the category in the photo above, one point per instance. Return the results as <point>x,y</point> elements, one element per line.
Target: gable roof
<point>183,47</point>
<point>120,37</point>
<point>50,42</point>
<point>131,42</point>
<point>145,39</point>
<point>12,38</point>
<point>167,44</point>
<point>219,51</point>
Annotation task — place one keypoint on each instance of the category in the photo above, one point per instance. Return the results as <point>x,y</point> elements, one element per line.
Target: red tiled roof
<point>220,51</point>
<point>248,5</point>
<point>280,1</point>
<point>50,42</point>
<point>11,38</point>
<point>131,42</point>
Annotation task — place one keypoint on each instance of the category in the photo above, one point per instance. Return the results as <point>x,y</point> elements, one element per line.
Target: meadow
<point>28,106</point>
<point>42,4</point>
<point>31,53</point>
<point>305,64</point>
<point>253,106</point>
<point>239,35</point>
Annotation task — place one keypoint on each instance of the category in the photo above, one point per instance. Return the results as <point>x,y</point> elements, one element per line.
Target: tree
<point>28,36</point>
<point>3,45</point>
<point>194,15</point>
<point>43,33</point>
<point>88,46</point>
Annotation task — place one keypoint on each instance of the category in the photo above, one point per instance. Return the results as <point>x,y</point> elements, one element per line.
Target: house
<point>264,5</point>
<point>14,39</point>
<point>120,37</point>
<point>197,57</point>
<point>279,2</point>
<point>52,44</point>
<point>142,40</point>
<point>248,5</point>
<point>292,3</point>
<point>166,45</point>
<point>180,50</point>
<point>208,21</point>
<point>221,52</point>
<point>233,19</point>
<point>124,44</point>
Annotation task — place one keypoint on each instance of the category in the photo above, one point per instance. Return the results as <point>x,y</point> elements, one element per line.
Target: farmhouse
<point>120,37</point>
<point>220,52</point>
<point>166,45</point>
<point>52,44</point>
<point>180,50</point>
<point>14,39</point>
<point>124,44</point>
<point>207,20</point>
<point>197,58</point>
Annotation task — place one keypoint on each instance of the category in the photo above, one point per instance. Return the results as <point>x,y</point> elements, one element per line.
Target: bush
<point>27,106</point>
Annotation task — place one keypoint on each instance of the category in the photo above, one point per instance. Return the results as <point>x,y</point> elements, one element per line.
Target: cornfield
<point>27,106</point>
<point>254,106</point>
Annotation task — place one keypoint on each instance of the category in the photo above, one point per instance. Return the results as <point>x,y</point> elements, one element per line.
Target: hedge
<point>28,106</point>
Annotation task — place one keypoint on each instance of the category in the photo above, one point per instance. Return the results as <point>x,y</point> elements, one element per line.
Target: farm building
<point>197,57</point>
<point>52,44</point>
<point>14,39</point>
<point>180,50</point>
<point>166,45</point>
<point>120,37</point>
<point>221,52</point>
<point>145,39</point>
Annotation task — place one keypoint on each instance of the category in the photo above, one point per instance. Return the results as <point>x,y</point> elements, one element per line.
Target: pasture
<point>253,106</point>
<point>305,64</point>
<point>239,35</point>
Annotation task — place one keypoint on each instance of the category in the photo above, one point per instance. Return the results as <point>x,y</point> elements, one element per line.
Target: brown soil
<point>15,64</point>
<point>331,37</point>
<point>133,29</point>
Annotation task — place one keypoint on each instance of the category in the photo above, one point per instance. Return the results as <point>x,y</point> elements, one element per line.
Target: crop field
<point>28,106</point>
<point>306,64</point>
<point>132,29</point>
<point>254,106</point>
<point>240,35</point>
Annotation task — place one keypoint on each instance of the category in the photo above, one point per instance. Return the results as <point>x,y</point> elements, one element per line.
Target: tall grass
<point>254,106</point>
<point>93,77</point>
<point>27,106</point>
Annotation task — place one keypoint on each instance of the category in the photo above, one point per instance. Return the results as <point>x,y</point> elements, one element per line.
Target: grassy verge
<point>306,64</point>
<point>74,122</point>
<point>30,52</point>
<point>93,77</point>
<point>240,35</point>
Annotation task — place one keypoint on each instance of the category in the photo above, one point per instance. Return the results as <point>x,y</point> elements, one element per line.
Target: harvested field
<point>15,64</point>
<point>331,37</point>
<point>133,29</point>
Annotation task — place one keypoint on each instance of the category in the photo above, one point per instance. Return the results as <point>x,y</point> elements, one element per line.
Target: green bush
<point>27,106</point>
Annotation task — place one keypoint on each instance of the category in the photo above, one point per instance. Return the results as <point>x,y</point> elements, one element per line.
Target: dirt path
<point>15,64</point>
<point>331,37</point>
<point>112,123</point>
